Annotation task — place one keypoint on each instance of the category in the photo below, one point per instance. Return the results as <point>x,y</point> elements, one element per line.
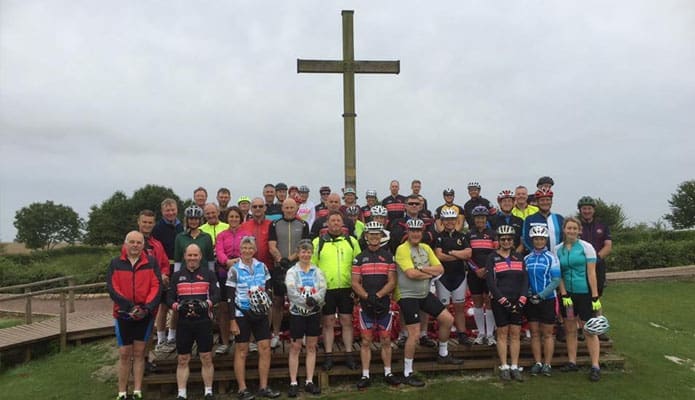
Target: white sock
<point>172,334</point>
<point>365,372</point>
<point>294,383</point>
<point>489,323</point>
<point>161,337</point>
<point>423,333</point>
<point>443,349</point>
<point>407,366</point>
<point>479,320</point>
<point>208,390</point>
<point>387,371</point>
<point>137,392</point>
<point>514,366</point>
<point>182,393</point>
<point>122,394</point>
<point>504,366</point>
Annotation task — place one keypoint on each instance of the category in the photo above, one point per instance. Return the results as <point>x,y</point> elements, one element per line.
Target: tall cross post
<point>348,66</point>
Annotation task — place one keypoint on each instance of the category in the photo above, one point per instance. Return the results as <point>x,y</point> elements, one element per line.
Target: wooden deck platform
<point>476,359</point>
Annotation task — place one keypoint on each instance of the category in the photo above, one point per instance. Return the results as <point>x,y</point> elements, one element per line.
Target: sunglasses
<point>506,239</point>
<point>257,206</point>
<point>413,204</point>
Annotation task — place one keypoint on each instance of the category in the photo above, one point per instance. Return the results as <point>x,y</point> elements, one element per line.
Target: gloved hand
<point>567,301</point>
<point>535,299</point>
<point>284,263</point>
<point>311,302</point>
<point>505,303</point>
<point>595,304</point>
<point>186,308</point>
<point>521,303</point>
<point>200,307</point>
<point>372,299</point>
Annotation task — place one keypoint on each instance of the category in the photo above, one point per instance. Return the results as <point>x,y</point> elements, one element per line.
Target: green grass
<point>650,320</point>
<point>9,322</point>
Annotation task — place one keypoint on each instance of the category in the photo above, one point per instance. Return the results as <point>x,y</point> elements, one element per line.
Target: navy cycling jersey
<point>482,243</point>
<point>506,276</point>
<point>395,205</point>
<point>502,219</point>
<point>473,203</point>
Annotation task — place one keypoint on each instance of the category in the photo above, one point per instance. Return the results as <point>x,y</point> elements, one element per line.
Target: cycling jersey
<point>273,211</point>
<point>199,284</point>
<point>321,210</point>
<point>129,285</point>
<point>366,213</point>
<point>454,271</point>
<point>554,224</point>
<point>595,233</point>
<point>286,234</point>
<point>573,264</point>
<point>409,257</point>
<point>482,243</point>
<point>506,276</point>
<point>214,230</point>
<point>320,227</point>
<point>374,267</point>
<point>543,270</point>
<point>244,279</point>
<point>302,284</point>
<point>529,210</point>
<point>334,256</point>
<point>455,207</point>
<point>306,212</point>
<point>395,205</point>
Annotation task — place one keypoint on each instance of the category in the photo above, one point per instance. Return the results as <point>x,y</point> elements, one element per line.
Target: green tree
<point>682,205</point>
<point>43,225</point>
<point>611,214</point>
<point>150,197</point>
<point>109,222</point>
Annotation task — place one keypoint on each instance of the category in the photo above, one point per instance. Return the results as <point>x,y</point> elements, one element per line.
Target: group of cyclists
<point>388,263</point>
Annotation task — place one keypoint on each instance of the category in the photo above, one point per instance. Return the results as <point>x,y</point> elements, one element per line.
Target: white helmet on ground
<point>597,325</point>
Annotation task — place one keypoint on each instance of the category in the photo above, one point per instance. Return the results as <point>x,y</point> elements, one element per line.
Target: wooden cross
<point>348,66</point>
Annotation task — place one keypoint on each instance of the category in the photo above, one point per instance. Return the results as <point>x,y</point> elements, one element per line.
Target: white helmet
<point>597,325</point>
<point>449,213</point>
<point>260,301</point>
<point>379,211</point>
<point>415,224</point>
<point>505,230</point>
<point>538,231</point>
<point>374,227</point>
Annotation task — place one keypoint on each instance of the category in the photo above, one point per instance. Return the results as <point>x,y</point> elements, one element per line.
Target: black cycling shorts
<point>301,325</point>
<point>277,279</point>
<point>199,332</point>
<point>338,300</point>
<point>503,316</point>
<point>128,331</point>
<point>600,275</point>
<point>543,312</point>
<point>581,303</point>
<point>411,308</point>
<point>259,327</point>
<point>476,285</point>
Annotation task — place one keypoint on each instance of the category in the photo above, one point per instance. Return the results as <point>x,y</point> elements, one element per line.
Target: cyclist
<point>223,198</point>
<point>320,226</point>
<point>579,290</point>
<point>272,209</point>
<point>349,200</point>
<point>321,209</point>
<point>545,183</point>
<point>476,200</point>
<point>599,235</point>
<point>394,202</point>
<point>306,210</point>
<point>192,293</point>
<point>449,204</point>
<point>373,281</point>
<point>504,216</point>
<point>133,307</point>
<point>508,284</point>
<point>453,250</point>
<point>483,242</point>
<point>193,216</point>
<point>306,291</point>
<point>522,208</point>
<point>543,270</point>
<point>417,266</point>
<point>244,204</point>
<point>378,214</point>
<point>334,254</point>
<point>250,302</point>
<point>227,252</point>
<point>544,217</point>
<point>353,214</point>
<point>213,226</point>
<point>283,238</point>
<point>372,201</point>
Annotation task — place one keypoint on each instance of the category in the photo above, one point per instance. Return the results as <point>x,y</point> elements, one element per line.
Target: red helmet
<point>505,194</point>
<point>543,193</point>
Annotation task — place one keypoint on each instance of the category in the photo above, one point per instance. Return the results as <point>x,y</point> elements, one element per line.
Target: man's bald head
<point>333,202</point>
<point>289,208</point>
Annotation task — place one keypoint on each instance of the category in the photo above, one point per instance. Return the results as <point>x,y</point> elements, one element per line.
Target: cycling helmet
<point>597,325</point>
<point>352,210</point>
<point>480,210</point>
<point>505,194</point>
<point>545,180</point>
<point>281,186</point>
<point>379,211</point>
<point>474,184</point>
<point>304,189</point>
<point>448,192</point>
<point>325,190</point>
<point>506,230</point>
<point>349,191</point>
<point>374,227</point>
<point>586,201</point>
<point>259,301</point>
<point>243,199</point>
<point>449,213</point>
<point>193,212</point>
<point>415,224</point>
<point>370,193</point>
<point>538,231</point>
<point>540,193</point>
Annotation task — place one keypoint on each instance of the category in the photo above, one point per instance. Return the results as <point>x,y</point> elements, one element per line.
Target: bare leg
<point>311,344</point>
<point>223,320</point>
<point>548,342</point>
<point>263,362</point>
<point>592,343</point>
<point>125,355</point>
<point>502,333</point>
<point>241,351</point>
<point>207,369</point>
<point>409,349</point>
<point>460,317</point>
<point>445,320</point>
<point>138,364</point>
<point>571,338</point>
<point>182,370</point>
<point>366,350</point>
<point>293,359</point>
<point>514,343</point>
<point>386,350</point>
<point>328,333</point>
<point>536,341</point>
<point>346,328</point>
<point>278,303</point>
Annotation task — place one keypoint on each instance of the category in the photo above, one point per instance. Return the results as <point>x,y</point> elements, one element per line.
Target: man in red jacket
<point>133,281</point>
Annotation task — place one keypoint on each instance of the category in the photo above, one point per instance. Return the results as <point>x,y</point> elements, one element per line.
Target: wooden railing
<point>66,298</point>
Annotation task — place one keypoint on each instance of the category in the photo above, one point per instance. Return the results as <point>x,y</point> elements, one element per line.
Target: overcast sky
<point>100,96</point>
